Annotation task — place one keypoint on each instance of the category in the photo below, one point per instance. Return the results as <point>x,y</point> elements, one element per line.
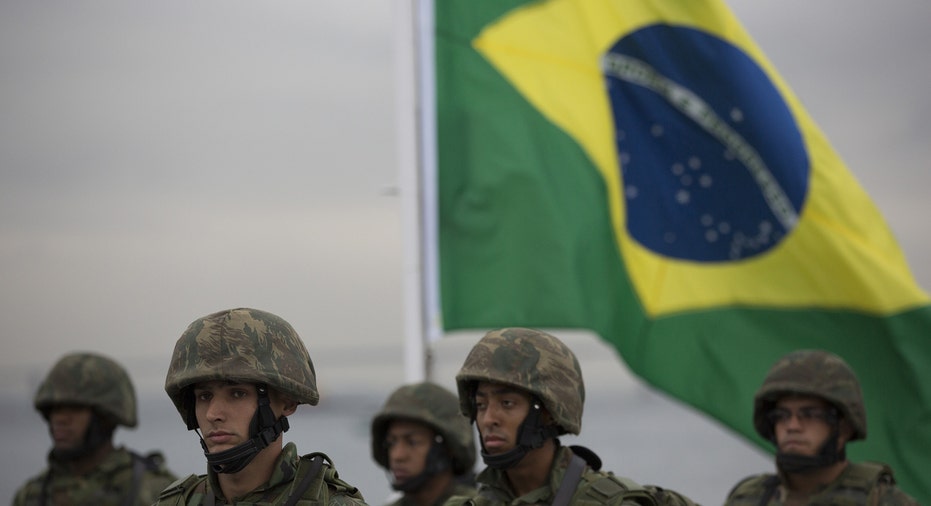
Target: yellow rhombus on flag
<point>638,168</point>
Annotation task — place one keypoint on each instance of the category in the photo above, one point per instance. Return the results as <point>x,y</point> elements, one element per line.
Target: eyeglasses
<point>804,415</point>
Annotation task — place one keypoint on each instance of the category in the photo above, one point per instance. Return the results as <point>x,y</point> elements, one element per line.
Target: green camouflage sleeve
<point>20,498</point>
<point>458,500</point>
<point>340,492</point>
<point>888,494</point>
<point>156,478</point>
<point>175,494</point>
<point>347,500</point>
<point>666,497</point>
<point>152,485</point>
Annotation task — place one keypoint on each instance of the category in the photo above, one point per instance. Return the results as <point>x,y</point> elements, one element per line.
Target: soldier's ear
<point>288,405</point>
<point>844,432</point>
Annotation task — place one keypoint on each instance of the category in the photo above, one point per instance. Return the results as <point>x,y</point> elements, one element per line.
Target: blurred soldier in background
<point>235,376</point>
<point>810,406</point>
<point>425,444</point>
<point>523,388</point>
<point>83,398</point>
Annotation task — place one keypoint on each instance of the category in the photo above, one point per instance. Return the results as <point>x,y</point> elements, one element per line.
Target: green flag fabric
<point>639,168</point>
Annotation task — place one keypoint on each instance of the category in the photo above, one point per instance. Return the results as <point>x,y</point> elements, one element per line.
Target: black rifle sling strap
<point>139,467</point>
<point>315,464</point>
<point>569,481</point>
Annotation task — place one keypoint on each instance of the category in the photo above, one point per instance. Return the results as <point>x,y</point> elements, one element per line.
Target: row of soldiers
<point>236,375</point>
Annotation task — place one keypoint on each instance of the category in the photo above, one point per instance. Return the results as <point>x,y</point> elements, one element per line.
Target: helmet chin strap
<point>436,462</point>
<point>530,436</point>
<point>263,429</point>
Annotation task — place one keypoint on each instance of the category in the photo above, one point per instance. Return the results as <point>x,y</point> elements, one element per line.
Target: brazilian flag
<point>638,168</point>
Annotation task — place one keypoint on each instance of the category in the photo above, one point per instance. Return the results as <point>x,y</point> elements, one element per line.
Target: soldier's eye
<point>811,413</point>
<point>806,414</point>
<point>778,415</point>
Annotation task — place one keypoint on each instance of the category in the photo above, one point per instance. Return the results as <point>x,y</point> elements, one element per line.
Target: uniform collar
<point>284,470</point>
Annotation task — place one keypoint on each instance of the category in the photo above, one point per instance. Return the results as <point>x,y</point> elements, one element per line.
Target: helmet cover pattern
<point>431,405</point>
<point>89,379</point>
<point>811,372</point>
<point>244,345</point>
<point>531,360</point>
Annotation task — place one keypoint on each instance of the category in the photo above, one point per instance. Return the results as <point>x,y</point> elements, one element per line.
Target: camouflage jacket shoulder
<point>326,487</point>
<point>109,484</point>
<point>457,489</point>
<point>593,489</point>
<point>862,483</point>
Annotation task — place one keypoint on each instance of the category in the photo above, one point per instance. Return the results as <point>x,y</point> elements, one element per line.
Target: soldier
<point>523,388</point>
<point>235,376</point>
<point>83,398</point>
<point>810,406</point>
<point>420,437</point>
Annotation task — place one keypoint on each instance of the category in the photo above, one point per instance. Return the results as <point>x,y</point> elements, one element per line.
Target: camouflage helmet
<point>811,372</point>
<point>533,361</point>
<point>432,405</point>
<point>243,345</point>
<point>92,380</point>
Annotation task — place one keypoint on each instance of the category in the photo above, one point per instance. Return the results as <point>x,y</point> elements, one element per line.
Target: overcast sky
<point>163,160</point>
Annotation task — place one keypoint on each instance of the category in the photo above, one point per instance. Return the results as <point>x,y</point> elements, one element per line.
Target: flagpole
<point>417,159</point>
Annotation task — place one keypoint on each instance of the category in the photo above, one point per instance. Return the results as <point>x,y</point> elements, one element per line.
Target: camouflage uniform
<point>437,408</point>
<point>251,346</point>
<point>455,489</point>
<point>859,484</point>
<point>97,382</point>
<point>289,471</point>
<point>595,487</point>
<point>108,484</point>
<point>819,374</point>
<point>541,365</point>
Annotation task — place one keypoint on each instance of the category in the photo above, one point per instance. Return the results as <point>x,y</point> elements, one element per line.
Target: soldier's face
<point>800,424</point>
<point>68,425</point>
<point>499,412</point>
<point>408,444</point>
<point>224,411</point>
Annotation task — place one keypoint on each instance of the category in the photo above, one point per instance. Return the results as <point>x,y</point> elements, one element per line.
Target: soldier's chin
<point>496,447</point>
<point>795,449</point>
<point>219,448</point>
